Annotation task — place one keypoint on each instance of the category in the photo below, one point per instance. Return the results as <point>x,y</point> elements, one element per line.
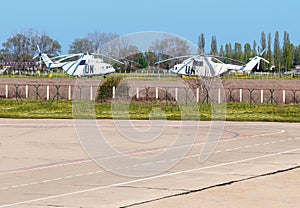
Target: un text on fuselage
<point>89,69</point>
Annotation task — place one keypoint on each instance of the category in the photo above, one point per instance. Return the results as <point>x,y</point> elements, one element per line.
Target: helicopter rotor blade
<point>174,58</point>
<point>38,47</point>
<point>265,60</point>
<point>261,53</point>
<point>108,57</point>
<point>65,57</point>
<point>231,59</point>
<point>61,56</point>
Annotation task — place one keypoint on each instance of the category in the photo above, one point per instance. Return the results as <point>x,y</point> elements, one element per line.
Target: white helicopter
<point>211,66</point>
<point>2,71</point>
<point>87,64</point>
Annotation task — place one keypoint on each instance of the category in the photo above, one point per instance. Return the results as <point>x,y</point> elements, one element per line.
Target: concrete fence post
<point>26,91</point>
<point>283,96</point>
<point>6,91</point>
<point>114,92</point>
<point>69,93</point>
<point>197,95</point>
<point>261,96</point>
<point>241,95</point>
<point>91,93</point>
<point>137,93</point>
<point>48,92</point>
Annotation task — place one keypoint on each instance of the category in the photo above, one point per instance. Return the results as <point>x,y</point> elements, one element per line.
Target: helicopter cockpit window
<point>198,63</point>
<point>82,62</point>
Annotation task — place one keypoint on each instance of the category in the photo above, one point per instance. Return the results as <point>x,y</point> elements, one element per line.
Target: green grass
<point>42,76</point>
<point>63,110</point>
<point>263,112</point>
<point>35,109</point>
<point>128,76</point>
<point>153,76</point>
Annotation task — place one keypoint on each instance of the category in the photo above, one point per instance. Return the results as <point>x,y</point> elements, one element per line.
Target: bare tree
<point>109,44</point>
<point>119,48</point>
<point>23,46</point>
<point>100,39</point>
<point>170,45</point>
<point>81,45</point>
<point>16,48</point>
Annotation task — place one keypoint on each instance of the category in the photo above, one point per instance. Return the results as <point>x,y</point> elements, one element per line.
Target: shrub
<point>105,90</point>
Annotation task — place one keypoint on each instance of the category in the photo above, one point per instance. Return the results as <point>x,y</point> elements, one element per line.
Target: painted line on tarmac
<point>137,165</point>
<point>145,151</point>
<point>147,179</point>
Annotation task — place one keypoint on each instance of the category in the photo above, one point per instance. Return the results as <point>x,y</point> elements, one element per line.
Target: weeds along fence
<point>56,93</point>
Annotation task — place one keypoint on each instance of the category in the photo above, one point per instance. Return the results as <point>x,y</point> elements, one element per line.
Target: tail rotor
<point>39,55</point>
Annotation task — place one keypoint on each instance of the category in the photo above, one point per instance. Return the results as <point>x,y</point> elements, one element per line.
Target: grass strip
<point>36,109</point>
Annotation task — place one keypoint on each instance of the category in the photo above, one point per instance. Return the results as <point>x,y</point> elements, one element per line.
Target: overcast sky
<point>229,20</point>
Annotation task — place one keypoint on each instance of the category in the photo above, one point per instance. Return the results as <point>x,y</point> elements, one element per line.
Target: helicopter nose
<point>112,70</point>
<point>172,70</point>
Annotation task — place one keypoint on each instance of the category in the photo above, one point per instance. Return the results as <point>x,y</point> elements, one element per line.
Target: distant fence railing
<point>57,92</point>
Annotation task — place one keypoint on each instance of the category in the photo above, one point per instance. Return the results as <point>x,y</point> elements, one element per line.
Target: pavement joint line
<point>99,171</point>
<point>47,181</point>
<point>237,148</point>
<point>161,161</point>
<point>147,178</point>
<point>90,173</point>
<point>226,183</point>
<point>135,165</point>
<point>57,179</point>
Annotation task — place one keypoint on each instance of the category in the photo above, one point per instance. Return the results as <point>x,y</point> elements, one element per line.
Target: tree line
<point>22,47</point>
<point>283,58</point>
